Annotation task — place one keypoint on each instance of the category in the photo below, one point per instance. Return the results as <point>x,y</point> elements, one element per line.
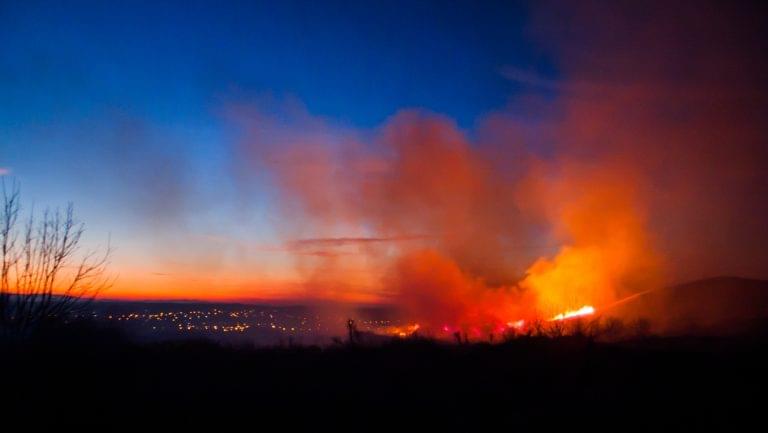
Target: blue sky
<point>354,61</point>
<point>119,105</point>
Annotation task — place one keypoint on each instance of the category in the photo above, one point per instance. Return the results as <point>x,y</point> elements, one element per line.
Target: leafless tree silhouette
<point>44,273</point>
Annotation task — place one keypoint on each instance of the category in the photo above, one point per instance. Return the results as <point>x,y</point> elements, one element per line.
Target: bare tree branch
<point>42,274</point>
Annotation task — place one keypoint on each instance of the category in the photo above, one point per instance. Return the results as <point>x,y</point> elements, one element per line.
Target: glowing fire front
<point>583,311</point>
<point>400,331</point>
<point>513,325</point>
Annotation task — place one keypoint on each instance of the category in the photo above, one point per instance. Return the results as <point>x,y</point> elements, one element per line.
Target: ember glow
<point>401,331</point>
<point>517,324</point>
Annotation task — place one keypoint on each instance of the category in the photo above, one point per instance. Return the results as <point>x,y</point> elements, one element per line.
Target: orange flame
<point>583,311</point>
<point>400,331</point>
<point>517,324</point>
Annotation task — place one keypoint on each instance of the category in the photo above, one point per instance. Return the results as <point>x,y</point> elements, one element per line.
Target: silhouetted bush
<point>78,372</point>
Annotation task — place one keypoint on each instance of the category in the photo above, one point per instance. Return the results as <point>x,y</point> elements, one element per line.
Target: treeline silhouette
<point>87,374</point>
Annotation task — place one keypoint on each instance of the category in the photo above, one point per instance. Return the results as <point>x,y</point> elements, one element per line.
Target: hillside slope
<point>718,305</point>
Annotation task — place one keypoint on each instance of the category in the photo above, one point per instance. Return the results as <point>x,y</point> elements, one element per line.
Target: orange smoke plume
<point>638,167</point>
<point>597,214</point>
<point>427,219</point>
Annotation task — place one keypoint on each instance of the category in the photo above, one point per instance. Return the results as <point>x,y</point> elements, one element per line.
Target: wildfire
<point>401,331</point>
<point>516,325</point>
<point>583,311</point>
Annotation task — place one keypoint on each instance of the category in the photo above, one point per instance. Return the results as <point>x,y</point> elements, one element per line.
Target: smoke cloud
<point>649,168</point>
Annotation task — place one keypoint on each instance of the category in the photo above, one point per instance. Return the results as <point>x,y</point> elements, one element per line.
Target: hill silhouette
<point>712,306</point>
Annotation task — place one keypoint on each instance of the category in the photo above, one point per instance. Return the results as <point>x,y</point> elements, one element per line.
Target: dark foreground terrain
<point>96,378</point>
